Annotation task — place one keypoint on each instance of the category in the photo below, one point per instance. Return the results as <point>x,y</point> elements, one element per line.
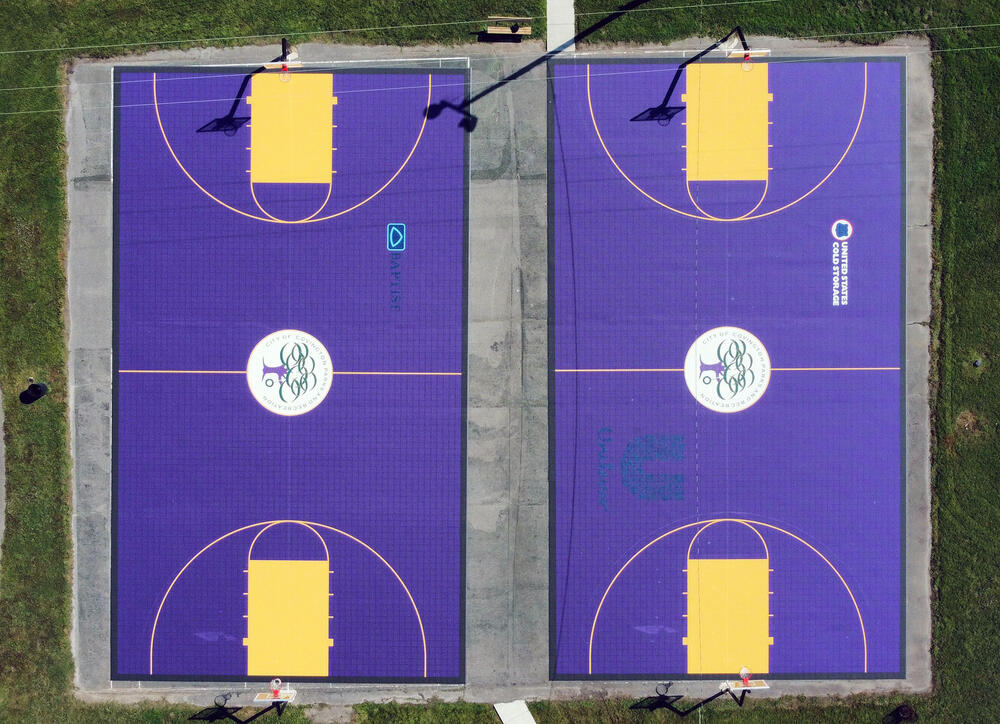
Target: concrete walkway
<point>560,21</point>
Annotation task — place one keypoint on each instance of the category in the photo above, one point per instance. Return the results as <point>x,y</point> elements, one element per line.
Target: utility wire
<point>899,31</point>
<point>195,41</point>
<point>895,31</point>
<point>775,61</point>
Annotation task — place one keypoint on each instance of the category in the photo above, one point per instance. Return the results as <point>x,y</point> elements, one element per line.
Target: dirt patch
<point>968,428</point>
<point>968,425</point>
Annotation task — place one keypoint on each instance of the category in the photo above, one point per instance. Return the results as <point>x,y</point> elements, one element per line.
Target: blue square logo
<point>395,237</point>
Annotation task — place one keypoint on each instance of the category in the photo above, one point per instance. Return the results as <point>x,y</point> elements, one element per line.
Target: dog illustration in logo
<point>718,368</point>
<point>280,371</point>
<point>733,371</point>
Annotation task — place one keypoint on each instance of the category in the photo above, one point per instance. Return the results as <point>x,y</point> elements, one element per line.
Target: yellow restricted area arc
<point>727,122</point>
<point>291,128</point>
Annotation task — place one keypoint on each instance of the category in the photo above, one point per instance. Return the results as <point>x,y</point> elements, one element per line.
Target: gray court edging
<point>507,457</point>
<point>89,197</point>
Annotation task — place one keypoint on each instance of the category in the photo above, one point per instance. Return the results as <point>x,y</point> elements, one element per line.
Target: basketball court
<point>726,369</point>
<point>288,375</point>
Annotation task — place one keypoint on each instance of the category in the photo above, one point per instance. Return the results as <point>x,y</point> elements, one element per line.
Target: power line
<point>418,60</point>
<point>341,31</point>
<point>774,61</point>
<point>195,41</point>
<point>698,6</point>
<point>894,31</point>
<point>899,31</point>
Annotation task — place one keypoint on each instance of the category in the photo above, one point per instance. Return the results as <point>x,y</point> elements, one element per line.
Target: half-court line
<point>773,369</point>
<point>243,372</point>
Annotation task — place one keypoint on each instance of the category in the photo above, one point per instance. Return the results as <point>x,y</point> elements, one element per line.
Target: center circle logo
<point>289,372</point>
<point>727,369</point>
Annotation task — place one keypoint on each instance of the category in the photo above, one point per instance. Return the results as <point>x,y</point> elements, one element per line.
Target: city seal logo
<point>289,372</point>
<point>727,369</point>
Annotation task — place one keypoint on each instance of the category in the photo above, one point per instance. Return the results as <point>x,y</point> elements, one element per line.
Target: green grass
<point>35,592</point>
<point>434,712</point>
<point>790,709</point>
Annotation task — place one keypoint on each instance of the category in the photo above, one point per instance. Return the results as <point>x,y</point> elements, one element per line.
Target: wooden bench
<point>508,25</point>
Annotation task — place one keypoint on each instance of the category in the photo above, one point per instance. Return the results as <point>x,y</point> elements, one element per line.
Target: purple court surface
<point>289,394</point>
<point>726,370</point>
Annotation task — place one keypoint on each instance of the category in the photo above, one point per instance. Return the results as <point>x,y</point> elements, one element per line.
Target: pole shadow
<point>469,120</point>
<point>664,112</point>
<point>230,123</point>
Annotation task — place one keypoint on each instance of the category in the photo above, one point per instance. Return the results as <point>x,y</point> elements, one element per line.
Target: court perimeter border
<point>648,60</point>
<point>236,71</point>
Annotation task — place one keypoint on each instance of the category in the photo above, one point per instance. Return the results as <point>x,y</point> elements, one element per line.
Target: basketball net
<point>747,64</point>
<point>284,74</point>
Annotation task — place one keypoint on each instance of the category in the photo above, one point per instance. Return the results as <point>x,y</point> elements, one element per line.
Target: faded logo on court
<point>289,372</point>
<point>727,369</point>
<point>641,457</point>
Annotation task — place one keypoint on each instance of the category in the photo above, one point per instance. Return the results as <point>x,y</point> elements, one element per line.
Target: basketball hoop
<point>283,74</point>
<point>747,64</point>
<point>277,695</point>
<point>745,676</point>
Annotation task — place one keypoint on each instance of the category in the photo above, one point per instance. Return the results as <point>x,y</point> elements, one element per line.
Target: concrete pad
<point>507,473</point>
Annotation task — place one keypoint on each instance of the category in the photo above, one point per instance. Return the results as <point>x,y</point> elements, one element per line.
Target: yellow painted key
<point>727,122</point>
<point>728,606</point>
<point>291,128</point>
<point>288,618</point>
